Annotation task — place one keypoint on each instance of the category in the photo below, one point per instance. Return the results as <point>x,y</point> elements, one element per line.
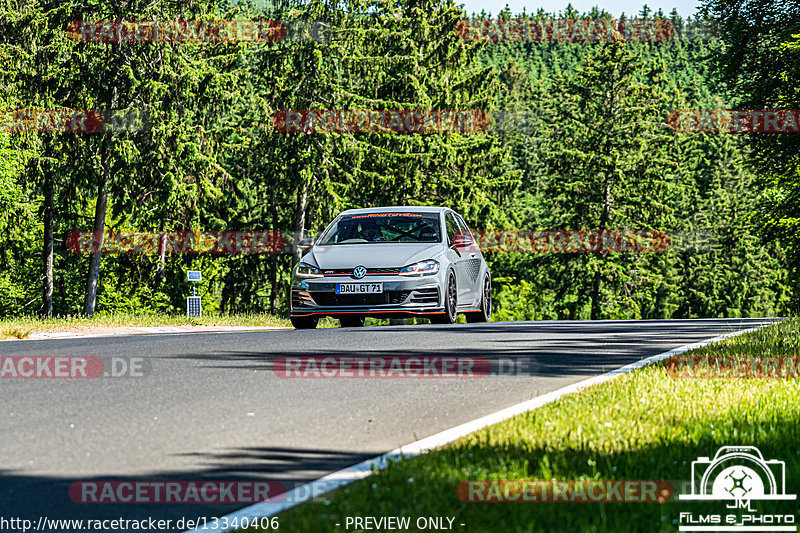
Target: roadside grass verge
<point>642,426</point>
<point>22,327</point>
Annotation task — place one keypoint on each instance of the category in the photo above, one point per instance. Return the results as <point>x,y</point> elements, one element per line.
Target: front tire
<point>450,303</point>
<point>485,314</point>
<point>304,322</point>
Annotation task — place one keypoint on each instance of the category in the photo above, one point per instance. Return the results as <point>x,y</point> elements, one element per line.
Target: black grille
<point>383,270</point>
<point>388,297</point>
<point>426,296</point>
<point>473,267</point>
<point>299,301</point>
<point>296,301</point>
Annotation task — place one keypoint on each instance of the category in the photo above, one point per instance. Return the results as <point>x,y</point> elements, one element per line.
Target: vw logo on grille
<point>359,272</point>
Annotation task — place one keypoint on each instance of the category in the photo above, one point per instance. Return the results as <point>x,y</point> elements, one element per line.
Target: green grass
<point>641,426</point>
<point>23,327</point>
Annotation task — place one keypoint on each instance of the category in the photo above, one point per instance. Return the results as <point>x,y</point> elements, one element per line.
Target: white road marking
<point>364,469</point>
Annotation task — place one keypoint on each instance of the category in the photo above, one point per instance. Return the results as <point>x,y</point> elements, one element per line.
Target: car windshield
<point>371,228</point>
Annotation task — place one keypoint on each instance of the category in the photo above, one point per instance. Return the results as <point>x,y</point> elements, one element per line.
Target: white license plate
<point>359,288</point>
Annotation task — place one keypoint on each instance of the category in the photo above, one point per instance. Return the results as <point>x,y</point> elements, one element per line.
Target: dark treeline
<point>591,150</point>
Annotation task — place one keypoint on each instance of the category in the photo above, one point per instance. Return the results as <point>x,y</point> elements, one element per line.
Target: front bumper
<point>403,296</point>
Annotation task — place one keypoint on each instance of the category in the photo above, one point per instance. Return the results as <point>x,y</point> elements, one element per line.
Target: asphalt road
<point>211,407</point>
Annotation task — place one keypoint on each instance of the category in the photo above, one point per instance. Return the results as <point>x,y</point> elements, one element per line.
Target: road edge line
<point>340,478</point>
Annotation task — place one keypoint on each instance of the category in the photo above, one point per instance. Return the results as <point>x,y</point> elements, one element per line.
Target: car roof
<point>397,209</point>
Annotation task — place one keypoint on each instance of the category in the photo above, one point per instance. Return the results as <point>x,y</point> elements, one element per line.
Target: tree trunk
<point>596,296</point>
<point>162,255</point>
<point>598,279</point>
<point>300,220</point>
<point>273,273</point>
<point>99,224</point>
<point>47,252</point>
<point>100,212</point>
<point>302,193</point>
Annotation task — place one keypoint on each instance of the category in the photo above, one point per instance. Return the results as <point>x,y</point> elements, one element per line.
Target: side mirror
<point>462,241</point>
<point>308,242</point>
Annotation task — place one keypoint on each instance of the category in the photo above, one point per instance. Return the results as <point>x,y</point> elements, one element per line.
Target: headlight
<point>423,268</point>
<point>304,270</point>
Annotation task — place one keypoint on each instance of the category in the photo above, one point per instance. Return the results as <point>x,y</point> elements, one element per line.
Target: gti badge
<point>359,272</point>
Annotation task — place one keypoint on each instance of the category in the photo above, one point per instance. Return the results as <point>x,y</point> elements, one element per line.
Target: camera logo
<point>738,473</point>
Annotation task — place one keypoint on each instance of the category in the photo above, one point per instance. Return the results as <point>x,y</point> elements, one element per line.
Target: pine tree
<point>609,165</point>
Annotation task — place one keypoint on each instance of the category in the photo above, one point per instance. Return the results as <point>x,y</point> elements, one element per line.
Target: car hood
<point>372,255</point>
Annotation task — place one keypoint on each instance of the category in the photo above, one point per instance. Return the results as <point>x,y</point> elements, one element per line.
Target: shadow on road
<point>30,497</point>
<point>543,349</point>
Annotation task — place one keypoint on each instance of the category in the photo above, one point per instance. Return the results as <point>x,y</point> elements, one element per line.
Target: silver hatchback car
<point>389,262</point>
